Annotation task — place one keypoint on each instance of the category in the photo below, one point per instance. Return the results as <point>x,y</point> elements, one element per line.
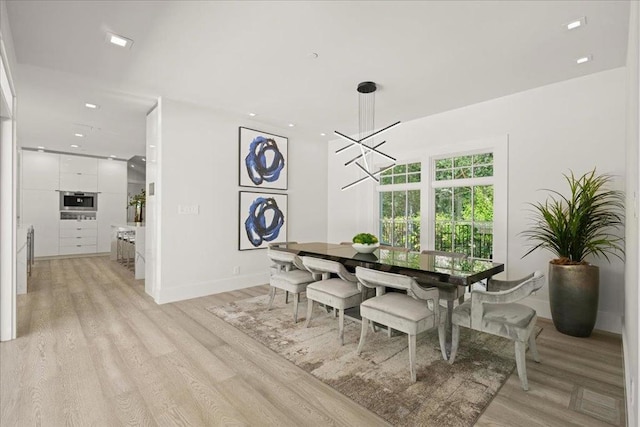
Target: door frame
<point>8,204</point>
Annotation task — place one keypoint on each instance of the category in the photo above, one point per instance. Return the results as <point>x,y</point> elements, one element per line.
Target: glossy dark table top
<point>454,271</point>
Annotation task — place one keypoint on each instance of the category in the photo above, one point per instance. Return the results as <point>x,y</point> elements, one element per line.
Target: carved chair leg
<point>521,364</point>
<point>363,334</point>
<point>412,357</point>
<point>341,326</point>
<point>296,299</point>
<point>286,297</point>
<point>533,348</point>
<point>309,312</point>
<point>455,337</point>
<point>272,295</point>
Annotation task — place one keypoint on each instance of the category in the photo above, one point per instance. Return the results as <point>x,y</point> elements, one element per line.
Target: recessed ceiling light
<point>40,147</point>
<point>113,156</point>
<point>323,134</point>
<point>577,23</point>
<point>584,59</point>
<point>90,105</point>
<point>252,114</point>
<point>152,146</point>
<point>74,146</point>
<point>133,166</point>
<point>291,125</point>
<point>79,135</point>
<point>119,40</point>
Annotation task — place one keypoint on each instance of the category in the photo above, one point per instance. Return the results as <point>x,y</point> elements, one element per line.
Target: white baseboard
<point>211,287</point>
<point>607,321</point>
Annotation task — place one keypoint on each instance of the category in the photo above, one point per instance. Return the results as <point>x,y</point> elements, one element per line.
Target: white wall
<point>631,323</point>
<point>577,124</point>
<point>199,165</point>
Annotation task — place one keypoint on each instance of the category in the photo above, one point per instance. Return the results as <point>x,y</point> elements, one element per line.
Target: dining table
<point>447,273</point>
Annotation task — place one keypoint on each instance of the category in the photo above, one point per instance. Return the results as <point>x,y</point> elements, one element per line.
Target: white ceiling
<point>245,56</point>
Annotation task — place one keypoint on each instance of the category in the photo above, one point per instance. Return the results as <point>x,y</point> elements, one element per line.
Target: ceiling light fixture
<point>584,59</point>
<point>367,103</point>
<point>323,134</point>
<point>252,114</point>
<point>113,156</point>
<point>577,23</point>
<point>152,146</point>
<point>79,135</point>
<point>119,41</point>
<point>291,125</point>
<point>40,147</point>
<point>90,105</point>
<point>75,146</point>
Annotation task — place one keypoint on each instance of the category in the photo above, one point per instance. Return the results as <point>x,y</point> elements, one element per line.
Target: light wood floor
<point>94,349</point>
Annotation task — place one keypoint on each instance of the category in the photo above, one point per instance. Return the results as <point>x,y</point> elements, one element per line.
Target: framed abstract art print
<point>263,160</point>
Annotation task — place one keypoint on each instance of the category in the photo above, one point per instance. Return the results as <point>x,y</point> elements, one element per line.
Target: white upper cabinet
<point>112,176</point>
<point>78,173</point>
<point>78,182</point>
<point>78,164</point>
<point>40,171</point>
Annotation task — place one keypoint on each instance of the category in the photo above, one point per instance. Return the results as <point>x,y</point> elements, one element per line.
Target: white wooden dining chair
<point>340,292</point>
<point>496,313</point>
<point>413,312</point>
<point>291,276</point>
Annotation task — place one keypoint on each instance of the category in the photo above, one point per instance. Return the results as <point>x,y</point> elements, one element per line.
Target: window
<point>464,204</point>
<point>399,195</point>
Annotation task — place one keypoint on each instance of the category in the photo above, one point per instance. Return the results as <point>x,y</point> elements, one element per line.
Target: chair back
<point>443,253</point>
<point>381,280</point>
<point>287,260</point>
<point>496,285</point>
<point>326,267</point>
<point>521,291</point>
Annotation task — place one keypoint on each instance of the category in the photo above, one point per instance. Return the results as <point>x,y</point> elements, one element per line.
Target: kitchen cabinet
<point>78,182</point>
<point>40,208</point>
<point>78,236</point>
<point>78,164</point>
<point>45,174</point>
<point>40,171</point>
<point>78,173</point>
<point>112,176</point>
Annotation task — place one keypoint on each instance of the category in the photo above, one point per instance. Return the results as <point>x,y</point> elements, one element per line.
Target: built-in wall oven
<point>78,201</point>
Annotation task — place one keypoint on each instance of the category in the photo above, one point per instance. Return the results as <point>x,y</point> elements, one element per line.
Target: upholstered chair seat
<point>497,313</point>
<point>413,312</point>
<point>505,320</point>
<point>340,292</point>
<point>290,275</point>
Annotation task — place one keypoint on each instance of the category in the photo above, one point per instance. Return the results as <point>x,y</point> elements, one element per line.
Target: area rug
<point>378,378</point>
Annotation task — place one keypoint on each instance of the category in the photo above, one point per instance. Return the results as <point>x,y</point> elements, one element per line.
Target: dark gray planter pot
<point>573,295</point>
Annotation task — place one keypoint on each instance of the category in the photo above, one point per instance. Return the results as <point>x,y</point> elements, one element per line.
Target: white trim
<point>210,287</point>
<point>499,147</point>
<point>8,211</point>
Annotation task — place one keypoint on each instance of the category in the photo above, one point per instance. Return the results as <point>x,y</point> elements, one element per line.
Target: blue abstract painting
<point>263,160</point>
<point>262,219</point>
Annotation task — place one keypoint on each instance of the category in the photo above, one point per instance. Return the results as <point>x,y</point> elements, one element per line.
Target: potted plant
<point>584,223</point>
<point>365,243</point>
<point>138,202</point>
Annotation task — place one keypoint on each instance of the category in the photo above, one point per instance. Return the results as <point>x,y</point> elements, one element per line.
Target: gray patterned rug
<point>378,379</point>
